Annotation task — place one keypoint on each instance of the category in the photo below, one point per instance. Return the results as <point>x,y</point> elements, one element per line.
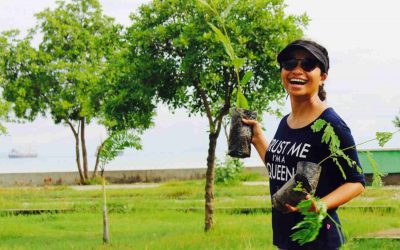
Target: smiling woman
<point>304,67</point>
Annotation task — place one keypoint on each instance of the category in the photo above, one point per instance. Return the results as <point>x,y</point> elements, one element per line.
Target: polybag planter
<point>307,174</point>
<point>240,134</point>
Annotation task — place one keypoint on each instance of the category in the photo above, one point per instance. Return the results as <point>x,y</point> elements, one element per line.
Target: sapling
<point>240,134</point>
<point>308,229</point>
<point>116,142</point>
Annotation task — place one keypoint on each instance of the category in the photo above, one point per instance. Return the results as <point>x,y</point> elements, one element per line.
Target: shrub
<point>229,171</point>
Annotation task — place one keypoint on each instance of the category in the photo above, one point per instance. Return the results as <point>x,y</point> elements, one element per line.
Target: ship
<point>17,154</point>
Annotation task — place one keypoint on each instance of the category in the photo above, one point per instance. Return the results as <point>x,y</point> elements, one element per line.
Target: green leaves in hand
<point>308,229</point>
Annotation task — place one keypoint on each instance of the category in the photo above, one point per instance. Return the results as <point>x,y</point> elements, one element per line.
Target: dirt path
<point>114,186</point>
<point>393,233</point>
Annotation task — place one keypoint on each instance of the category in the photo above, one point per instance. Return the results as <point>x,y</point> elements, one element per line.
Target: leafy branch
<point>329,137</point>
<point>376,174</point>
<point>309,227</point>
<point>222,35</point>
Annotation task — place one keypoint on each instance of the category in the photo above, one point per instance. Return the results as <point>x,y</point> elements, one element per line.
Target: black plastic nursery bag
<point>240,134</point>
<point>307,174</point>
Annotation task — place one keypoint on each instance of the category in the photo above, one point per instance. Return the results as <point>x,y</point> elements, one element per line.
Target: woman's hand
<point>291,209</point>
<point>257,131</point>
<point>258,140</point>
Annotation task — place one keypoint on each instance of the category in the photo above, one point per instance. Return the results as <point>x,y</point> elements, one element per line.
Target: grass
<point>157,218</point>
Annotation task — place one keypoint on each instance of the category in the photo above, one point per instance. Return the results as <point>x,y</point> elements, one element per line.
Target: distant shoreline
<point>113,176</point>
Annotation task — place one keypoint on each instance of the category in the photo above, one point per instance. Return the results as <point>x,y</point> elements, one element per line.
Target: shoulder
<point>334,119</point>
<point>283,121</point>
<point>339,126</point>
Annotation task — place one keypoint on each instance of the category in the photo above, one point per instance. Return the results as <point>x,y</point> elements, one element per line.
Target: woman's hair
<point>321,89</point>
<point>322,92</point>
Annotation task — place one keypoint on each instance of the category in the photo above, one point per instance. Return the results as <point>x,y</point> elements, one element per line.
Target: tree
<point>71,74</point>
<point>178,55</point>
<point>115,143</point>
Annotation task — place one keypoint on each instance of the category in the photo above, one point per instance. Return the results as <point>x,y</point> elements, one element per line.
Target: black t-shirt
<point>292,145</point>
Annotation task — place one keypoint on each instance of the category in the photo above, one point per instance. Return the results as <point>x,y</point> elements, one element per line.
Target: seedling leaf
<point>241,101</point>
<point>226,12</point>
<point>383,137</point>
<point>318,125</point>
<point>238,62</point>
<point>205,4</point>
<point>312,223</point>
<point>336,161</point>
<point>376,174</point>
<point>298,187</point>
<point>224,40</point>
<point>246,78</point>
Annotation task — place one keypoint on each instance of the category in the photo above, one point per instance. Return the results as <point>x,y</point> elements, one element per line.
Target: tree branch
<point>227,100</point>
<point>205,103</point>
<point>72,127</point>
<point>96,166</point>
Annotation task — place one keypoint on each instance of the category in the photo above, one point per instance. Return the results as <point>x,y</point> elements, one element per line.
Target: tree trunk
<point>106,238</point>
<point>84,152</point>
<point>209,188</point>
<point>77,155</point>
<point>96,165</point>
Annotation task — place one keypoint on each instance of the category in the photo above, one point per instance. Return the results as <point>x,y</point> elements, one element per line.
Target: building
<point>388,162</point>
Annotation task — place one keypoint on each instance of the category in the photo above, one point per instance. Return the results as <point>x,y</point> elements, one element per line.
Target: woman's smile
<point>297,81</point>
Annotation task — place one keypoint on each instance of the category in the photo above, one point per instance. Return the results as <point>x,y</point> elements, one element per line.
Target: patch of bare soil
<point>393,233</point>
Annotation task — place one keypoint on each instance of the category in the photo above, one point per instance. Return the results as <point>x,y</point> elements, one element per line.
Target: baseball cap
<point>309,46</point>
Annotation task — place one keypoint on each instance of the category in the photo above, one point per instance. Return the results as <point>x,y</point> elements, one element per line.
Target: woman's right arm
<point>258,139</point>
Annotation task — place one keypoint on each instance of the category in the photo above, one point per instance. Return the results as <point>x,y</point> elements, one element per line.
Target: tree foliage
<point>179,55</point>
<point>74,74</point>
<point>4,115</point>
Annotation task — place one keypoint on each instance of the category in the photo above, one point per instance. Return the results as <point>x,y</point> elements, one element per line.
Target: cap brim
<point>285,53</point>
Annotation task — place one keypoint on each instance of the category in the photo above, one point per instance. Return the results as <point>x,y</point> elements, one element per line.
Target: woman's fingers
<point>291,209</point>
<point>249,122</point>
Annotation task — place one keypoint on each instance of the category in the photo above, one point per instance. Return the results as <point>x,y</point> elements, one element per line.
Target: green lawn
<point>171,217</point>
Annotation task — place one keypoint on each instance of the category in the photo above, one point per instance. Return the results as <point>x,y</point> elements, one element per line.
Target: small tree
<point>116,142</point>
<point>176,53</point>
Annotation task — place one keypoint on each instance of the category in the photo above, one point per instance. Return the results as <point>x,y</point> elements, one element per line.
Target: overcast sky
<point>361,37</point>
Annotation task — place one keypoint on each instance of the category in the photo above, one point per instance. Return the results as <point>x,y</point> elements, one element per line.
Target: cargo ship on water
<point>18,154</point>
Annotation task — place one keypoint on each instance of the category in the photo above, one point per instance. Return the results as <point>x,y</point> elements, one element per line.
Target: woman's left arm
<point>343,194</point>
<point>337,197</point>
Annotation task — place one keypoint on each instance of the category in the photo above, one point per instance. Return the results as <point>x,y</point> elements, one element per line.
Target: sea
<point>138,160</point>
<point>43,163</point>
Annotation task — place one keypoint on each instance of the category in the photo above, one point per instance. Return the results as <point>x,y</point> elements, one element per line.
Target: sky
<point>362,86</point>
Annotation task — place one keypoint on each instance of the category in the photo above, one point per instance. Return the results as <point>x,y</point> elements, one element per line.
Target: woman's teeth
<point>297,81</point>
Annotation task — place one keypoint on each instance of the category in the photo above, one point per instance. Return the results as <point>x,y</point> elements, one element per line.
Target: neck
<point>304,111</point>
<point>302,107</point>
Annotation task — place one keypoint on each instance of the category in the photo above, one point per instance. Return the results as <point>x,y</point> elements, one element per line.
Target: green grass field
<point>171,217</point>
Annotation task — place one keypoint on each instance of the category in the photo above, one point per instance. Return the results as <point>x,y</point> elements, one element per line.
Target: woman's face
<point>300,83</point>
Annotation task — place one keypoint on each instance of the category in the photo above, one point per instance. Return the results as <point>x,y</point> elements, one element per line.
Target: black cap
<point>315,50</point>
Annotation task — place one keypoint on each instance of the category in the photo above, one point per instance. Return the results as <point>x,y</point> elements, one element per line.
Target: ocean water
<point>129,161</point>
<point>68,163</point>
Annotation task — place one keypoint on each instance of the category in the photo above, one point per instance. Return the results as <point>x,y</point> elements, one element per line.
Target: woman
<point>304,68</point>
